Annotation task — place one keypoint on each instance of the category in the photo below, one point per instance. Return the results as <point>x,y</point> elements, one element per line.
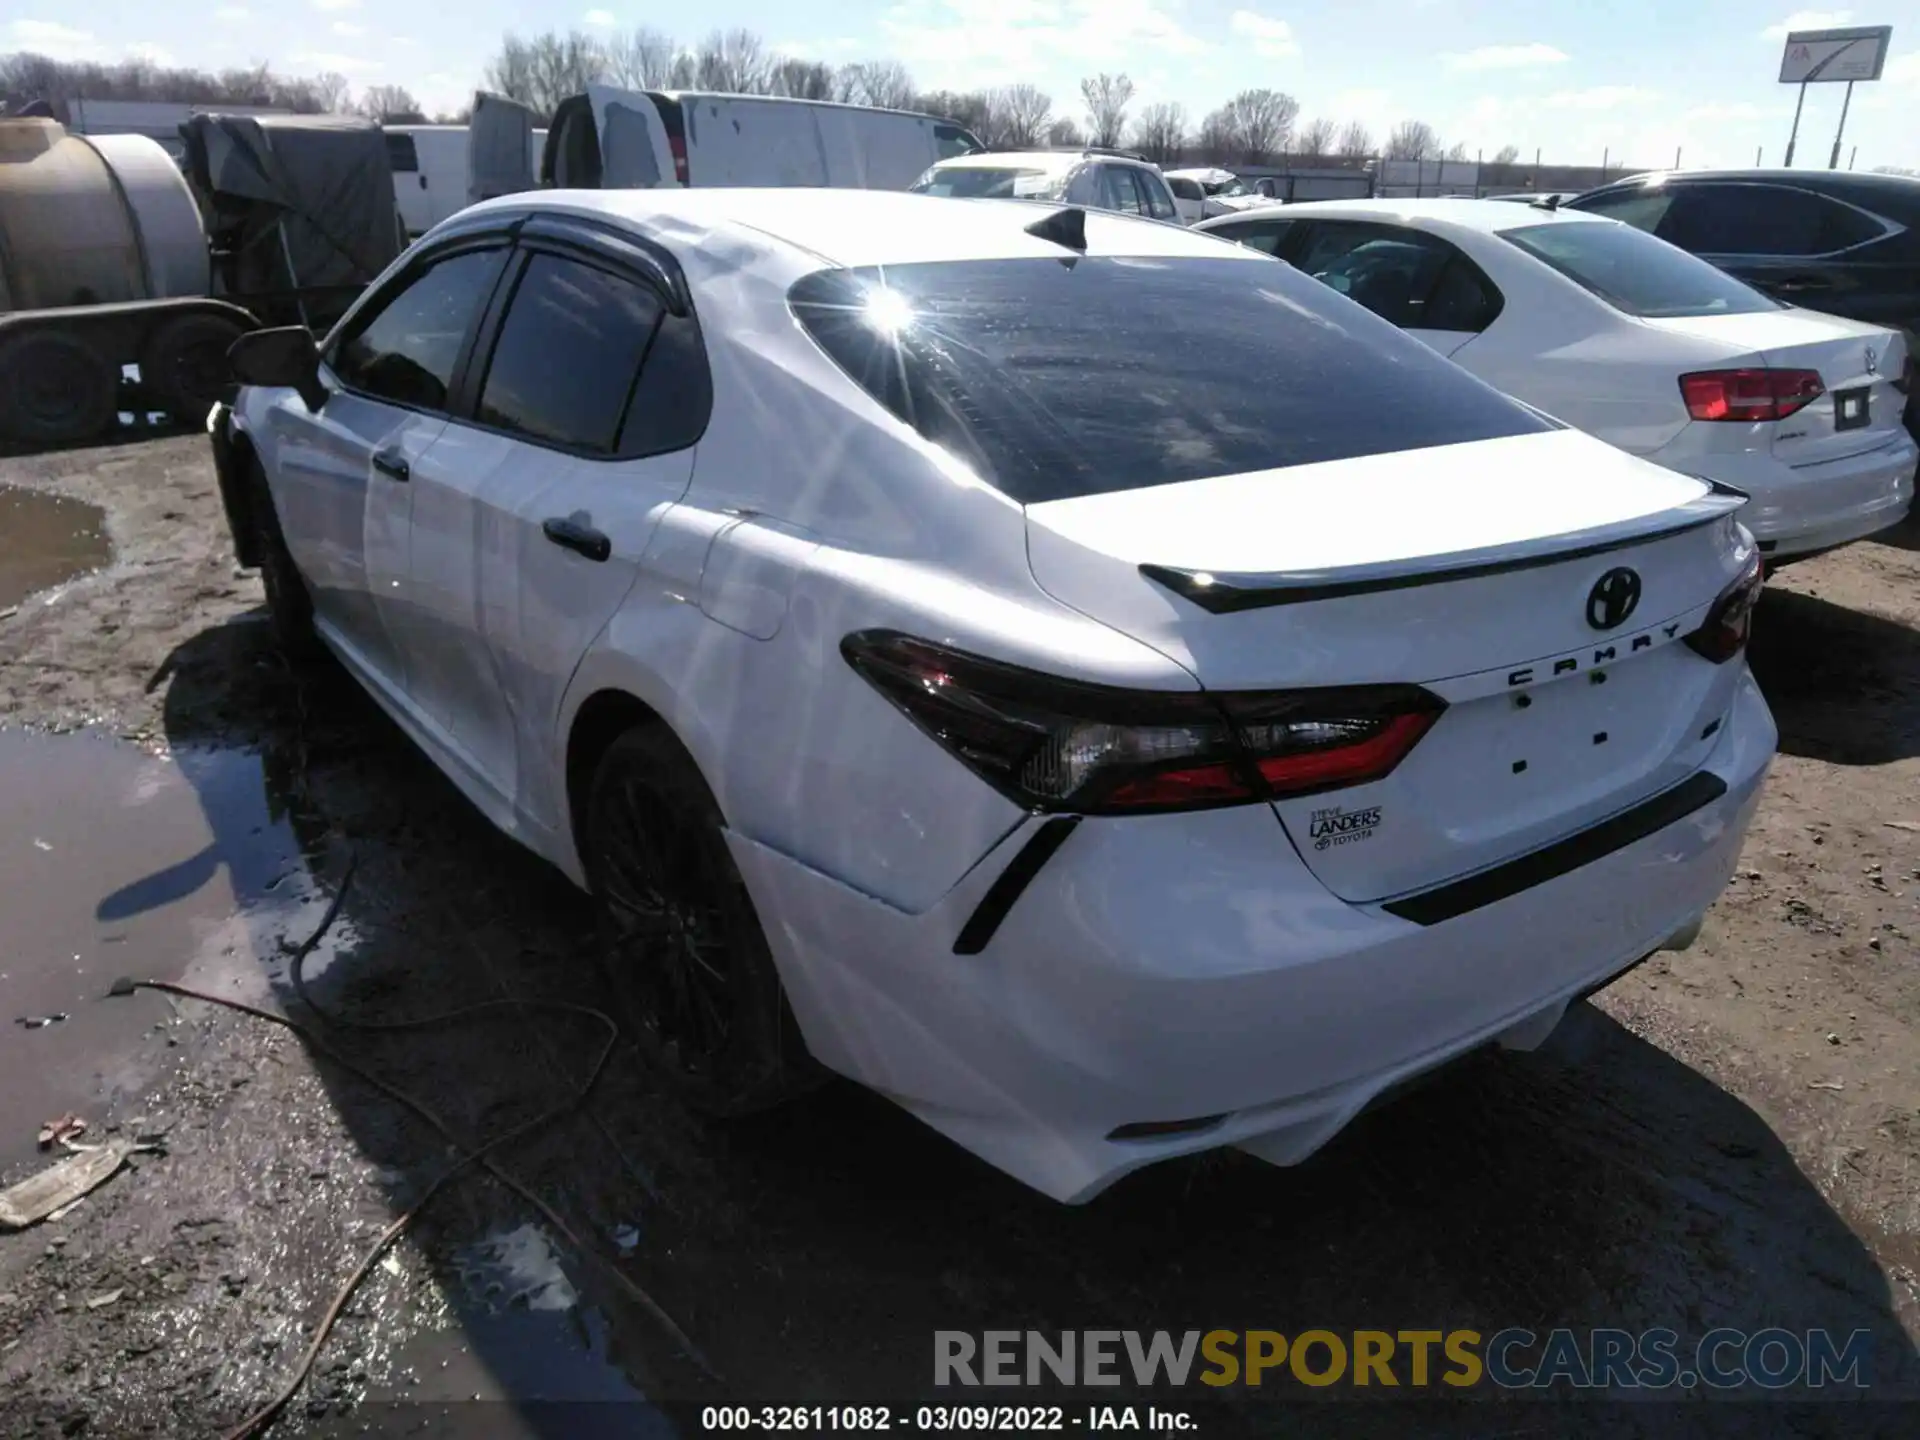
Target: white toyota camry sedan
<point>1636,341</point>
<point>1093,685</point>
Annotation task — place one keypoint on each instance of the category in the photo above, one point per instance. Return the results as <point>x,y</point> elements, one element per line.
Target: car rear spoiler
<point>1222,594</point>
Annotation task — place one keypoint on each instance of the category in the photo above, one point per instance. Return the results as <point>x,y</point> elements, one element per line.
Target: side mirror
<point>285,356</point>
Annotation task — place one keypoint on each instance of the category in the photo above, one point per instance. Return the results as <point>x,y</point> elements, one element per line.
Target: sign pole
<point>1796,123</point>
<point>1833,162</point>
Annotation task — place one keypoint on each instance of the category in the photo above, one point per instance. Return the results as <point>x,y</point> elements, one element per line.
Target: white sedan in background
<point>1637,342</point>
<point>1090,684</point>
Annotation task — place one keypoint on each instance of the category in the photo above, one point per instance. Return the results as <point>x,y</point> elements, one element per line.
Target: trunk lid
<point>1839,350</point>
<point>1468,569</point>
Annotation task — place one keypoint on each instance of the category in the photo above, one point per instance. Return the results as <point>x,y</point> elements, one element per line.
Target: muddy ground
<point>1728,1137</point>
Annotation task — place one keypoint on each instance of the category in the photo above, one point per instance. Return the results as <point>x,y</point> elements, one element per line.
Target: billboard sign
<point>1813,56</point>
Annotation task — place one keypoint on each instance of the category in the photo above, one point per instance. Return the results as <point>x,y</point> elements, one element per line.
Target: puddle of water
<point>116,862</point>
<point>45,539</point>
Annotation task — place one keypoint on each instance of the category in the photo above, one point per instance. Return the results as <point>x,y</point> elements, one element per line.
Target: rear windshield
<point>984,181</point>
<point>1635,273</point>
<point>1057,378</point>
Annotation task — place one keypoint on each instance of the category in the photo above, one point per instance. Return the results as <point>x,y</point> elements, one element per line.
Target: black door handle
<point>393,464</point>
<point>573,534</point>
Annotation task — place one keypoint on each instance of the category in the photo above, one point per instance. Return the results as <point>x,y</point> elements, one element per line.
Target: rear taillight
<point>1749,394</point>
<point>1723,634</point>
<point>678,145</point>
<point>1061,745</point>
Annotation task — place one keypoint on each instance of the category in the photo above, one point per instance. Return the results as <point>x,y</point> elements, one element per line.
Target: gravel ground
<point>1729,1136</point>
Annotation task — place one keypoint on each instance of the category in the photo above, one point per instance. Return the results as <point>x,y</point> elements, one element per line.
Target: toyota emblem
<point>1613,598</point>
<point>1873,361</point>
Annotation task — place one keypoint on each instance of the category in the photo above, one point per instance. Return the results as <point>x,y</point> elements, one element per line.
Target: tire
<point>680,944</point>
<point>289,602</point>
<point>55,388</point>
<point>184,365</point>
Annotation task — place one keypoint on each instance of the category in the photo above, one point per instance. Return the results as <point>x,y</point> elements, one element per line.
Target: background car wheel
<point>184,365</point>
<point>289,603</point>
<point>680,942</point>
<point>55,388</point>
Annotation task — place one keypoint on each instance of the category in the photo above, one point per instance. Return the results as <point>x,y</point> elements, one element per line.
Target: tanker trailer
<point>103,264</point>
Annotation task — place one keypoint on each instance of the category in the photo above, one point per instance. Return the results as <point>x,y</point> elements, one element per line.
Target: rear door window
<point>405,347</point>
<point>568,355</point>
<point>1154,191</point>
<point>1121,191</point>
<point>1714,219</point>
<point>1643,209</point>
<point>1111,373</point>
<point>1266,236</point>
<point>402,158</point>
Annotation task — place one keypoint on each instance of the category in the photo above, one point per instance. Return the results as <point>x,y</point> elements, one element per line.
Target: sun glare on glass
<point>888,311</point>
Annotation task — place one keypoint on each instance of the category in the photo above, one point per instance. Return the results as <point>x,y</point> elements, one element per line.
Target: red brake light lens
<point>1062,745</point>
<point>1723,634</point>
<point>1748,395</point>
<point>678,145</point>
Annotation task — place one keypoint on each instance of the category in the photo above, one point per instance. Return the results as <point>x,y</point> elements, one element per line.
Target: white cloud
<point>1600,97</point>
<point>232,12</point>
<point>59,42</point>
<point>1507,57</point>
<point>1807,20</point>
<point>817,49</point>
<point>152,54</point>
<point>1271,38</point>
<point>1739,112</point>
<point>334,60</point>
<point>600,19</point>
<point>964,44</point>
<point>336,4</point>
<point>348,29</point>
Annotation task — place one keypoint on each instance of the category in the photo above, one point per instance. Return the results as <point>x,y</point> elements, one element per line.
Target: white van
<point>614,139</point>
<point>433,173</point>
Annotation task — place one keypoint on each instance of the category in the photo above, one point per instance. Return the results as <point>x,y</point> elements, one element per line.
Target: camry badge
<point>1613,598</point>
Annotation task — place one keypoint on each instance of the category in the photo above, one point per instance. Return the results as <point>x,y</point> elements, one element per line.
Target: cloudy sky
<point>1575,79</point>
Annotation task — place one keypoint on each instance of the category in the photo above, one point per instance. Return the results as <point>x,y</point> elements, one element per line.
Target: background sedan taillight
<point>1749,395</point>
<point>1051,744</point>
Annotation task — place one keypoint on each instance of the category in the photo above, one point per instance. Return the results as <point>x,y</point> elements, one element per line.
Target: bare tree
<point>1315,138</point>
<point>1063,134</point>
<point>1216,139</point>
<point>801,80</point>
<point>641,59</point>
<point>1107,98</point>
<point>1413,140</point>
<point>331,90</point>
<point>1355,142</point>
<point>1506,155</point>
<point>969,111</point>
<point>1457,150</point>
<point>391,103</point>
<point>545,70</point>
<point>883,84</point>
<point>25,77</point>
<point>1161,133</point>
<point>1025,113</point>
<point>735,62</point>
<point>1258,123</point>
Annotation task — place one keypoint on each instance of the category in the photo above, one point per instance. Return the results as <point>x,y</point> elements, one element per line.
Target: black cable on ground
<point>481,1156</point>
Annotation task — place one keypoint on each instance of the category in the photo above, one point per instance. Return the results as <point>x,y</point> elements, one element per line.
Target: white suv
<point>1093,178</point>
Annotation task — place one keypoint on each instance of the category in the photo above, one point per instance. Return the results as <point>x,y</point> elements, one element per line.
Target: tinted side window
<point>1463,299</point>
<point>1122,193</point>
<point>1759,220</point>
<point>1642,209</point>
<point>1154,189</point>
<point>1263,235</point>
<point>568,354</point>
<point>1187,189</point>
<point>951,140</point>
<point>407,349</point>
<point>402,158</point>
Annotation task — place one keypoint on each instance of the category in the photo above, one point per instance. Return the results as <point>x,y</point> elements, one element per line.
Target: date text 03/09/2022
<point>976,1419</point>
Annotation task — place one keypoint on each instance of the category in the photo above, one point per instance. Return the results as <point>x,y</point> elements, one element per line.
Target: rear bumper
<point>1795,510</point>
<point>1178,967</point>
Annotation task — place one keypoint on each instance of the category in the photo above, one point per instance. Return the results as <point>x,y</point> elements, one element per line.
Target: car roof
<point>812,227</point>
<point>1827,182</point>
<point>999,159</point>
<point>1486,217</point>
